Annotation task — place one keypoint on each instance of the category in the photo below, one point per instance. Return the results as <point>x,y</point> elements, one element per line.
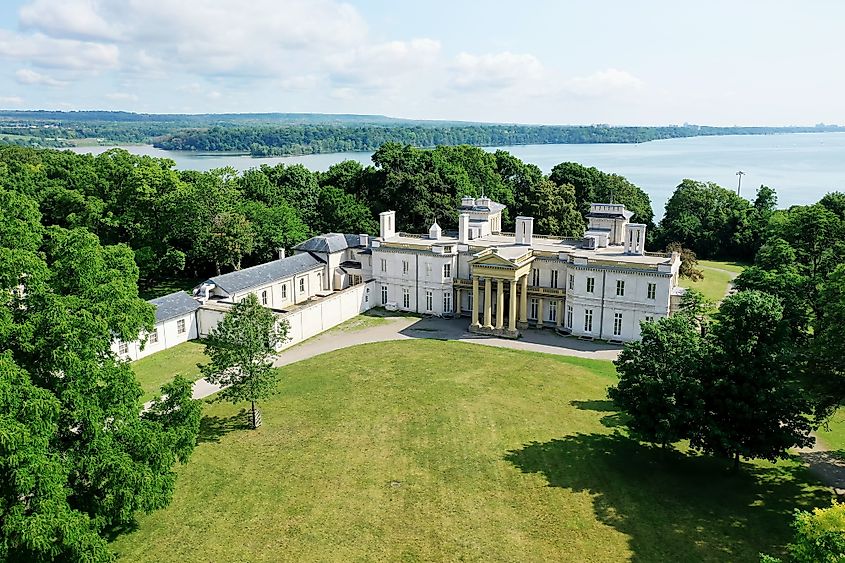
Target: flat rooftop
<point>507,242</point>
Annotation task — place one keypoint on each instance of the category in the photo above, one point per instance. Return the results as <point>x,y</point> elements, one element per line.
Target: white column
<point>488,303</point>
<point>474,302</point>
<point>559,313</point>
<point>512,303</point>
<point>523,299</point>
<point>500,303</point>
<point>540,312</point>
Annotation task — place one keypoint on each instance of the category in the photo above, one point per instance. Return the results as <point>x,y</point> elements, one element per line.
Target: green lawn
<point>834,436</point>
<point>430,450</point>
<point>159,368</point>
<point>716,280</point>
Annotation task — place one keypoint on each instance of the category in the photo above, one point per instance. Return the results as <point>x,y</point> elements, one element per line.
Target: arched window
<point>264,297</point>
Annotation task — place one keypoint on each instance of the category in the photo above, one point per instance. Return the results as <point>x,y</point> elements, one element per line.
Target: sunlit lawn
<point>159,368</point>
<point>716,280</point>
<point>427,450</point>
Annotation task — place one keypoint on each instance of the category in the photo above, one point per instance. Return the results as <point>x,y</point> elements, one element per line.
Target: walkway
<point>404,328</point>
<point>826,464</point>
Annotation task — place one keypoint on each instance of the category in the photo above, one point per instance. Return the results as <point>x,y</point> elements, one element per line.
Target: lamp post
<point>739,174</point>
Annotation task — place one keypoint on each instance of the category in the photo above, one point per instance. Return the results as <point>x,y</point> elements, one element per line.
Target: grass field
<point>429,450</point>
<point>716,278</point>
<point>159,368</point>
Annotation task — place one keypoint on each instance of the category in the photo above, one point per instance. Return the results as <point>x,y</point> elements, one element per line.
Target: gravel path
<point>404,328</point>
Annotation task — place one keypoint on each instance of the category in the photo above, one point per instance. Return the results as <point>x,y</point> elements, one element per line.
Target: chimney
<point>434,232</point>
<point>463,228</point>
<point>364,240</point>
<point>387,224</point>
<point>635,238</point>
<point>281,251</point>
<point>524,230</point>
<point>467,202</point>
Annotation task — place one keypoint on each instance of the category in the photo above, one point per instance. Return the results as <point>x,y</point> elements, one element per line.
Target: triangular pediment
<point>492,260</point>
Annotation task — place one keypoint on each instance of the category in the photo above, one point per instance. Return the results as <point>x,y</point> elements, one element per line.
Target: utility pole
<point>739,174</point>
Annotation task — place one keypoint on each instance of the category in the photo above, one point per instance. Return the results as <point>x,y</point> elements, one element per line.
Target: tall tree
<point>756,406</point>
<point>83,459</point>
<point>659,385</point>
<point>241,347</point>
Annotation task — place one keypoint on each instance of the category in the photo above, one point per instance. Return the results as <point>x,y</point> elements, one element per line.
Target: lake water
<point>802,167</point>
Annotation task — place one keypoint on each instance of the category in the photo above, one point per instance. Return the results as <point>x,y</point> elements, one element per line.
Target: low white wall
<point>330,311</point>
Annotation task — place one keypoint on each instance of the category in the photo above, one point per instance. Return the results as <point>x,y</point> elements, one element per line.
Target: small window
<point>649,319</point>
<point>264,297</point>
<point>571,281</point>
<point>284,291</point>
<point>591,285</point>
<point>429,300</point>
<point>180,326</point>
<point>535,277</point>
<point>617,324</point>
<point>588,320</point>
<point>427,269</point>
<point>652,290</point>
<point>302,285</point>
<point>569,317</point>
<point>447,301</point>
<point>554,278</point>
<point>447,249</point>
<point>406,299</point>
<point>404,267</point>
<point>620,288</point>
<point>383,294</point>
<point>447,270</point>
<point>122,348</point>
<point>383,264</point>
<point>153,339</point>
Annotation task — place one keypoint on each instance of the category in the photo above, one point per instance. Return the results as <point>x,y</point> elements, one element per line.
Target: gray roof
<point>329,243</point>
<point>494,207</point>
<point>174,305</point>
<point>263,274</point>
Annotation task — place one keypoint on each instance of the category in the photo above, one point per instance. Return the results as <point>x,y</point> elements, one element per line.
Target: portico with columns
<point>503,270</point>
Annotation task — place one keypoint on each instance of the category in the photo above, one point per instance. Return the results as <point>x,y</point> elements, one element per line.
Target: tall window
<point>404,267</point>
<point>649,319</point>
<point>652,290</point>
<point>383,294</point>
<point>447,301</point>
<point>553,311</point>
<point>588,320</point>
<point>264,297</point>
<point>180,326</point>
<point>122,348</point>
<point>406,298</point>
<point>384,264</point>
<point>447,270</point>
<point>534,307</point>
<point>535,277</point>
<point>569,317</point>
<point>302,285</point>
<point>284,291</point>
<point>554,278</point>
<point>320,280</point>
<point>571,281</point>
<point>591,285</point>
<point>429,300</point>
<point>617,324</point>
<point>620,287</point>
<point>153,338</point>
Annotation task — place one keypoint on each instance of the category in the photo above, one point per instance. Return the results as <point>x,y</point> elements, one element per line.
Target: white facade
<point>602,286</point>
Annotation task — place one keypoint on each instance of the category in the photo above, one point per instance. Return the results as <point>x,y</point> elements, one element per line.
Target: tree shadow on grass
<point>212,428</point>
<point>613,420</point>
<point>675,507</point>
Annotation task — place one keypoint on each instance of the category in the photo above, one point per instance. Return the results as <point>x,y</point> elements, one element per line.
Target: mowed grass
<point>427,450</point>
<point>159,368</point>
<point>717,278</point>
<point>833,437</point>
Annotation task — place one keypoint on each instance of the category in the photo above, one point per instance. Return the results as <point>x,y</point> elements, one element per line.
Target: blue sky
<point>581,62</point>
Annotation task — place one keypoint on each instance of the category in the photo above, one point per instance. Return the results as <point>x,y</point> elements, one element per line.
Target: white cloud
<point>383,64</point>
<point>122,97</point>
<point>49,52</point>
<point>29,77</point>
<point>11,100</point>
<point>67,18</point>
<point>496,71</point>
<point>604,82</point>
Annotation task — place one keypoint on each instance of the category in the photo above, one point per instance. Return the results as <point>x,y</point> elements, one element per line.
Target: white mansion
<point>600,286</point>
